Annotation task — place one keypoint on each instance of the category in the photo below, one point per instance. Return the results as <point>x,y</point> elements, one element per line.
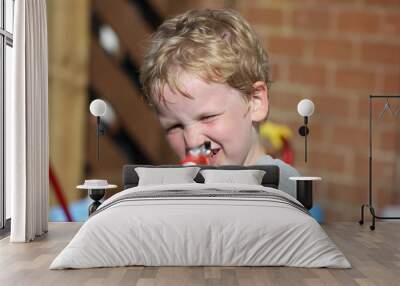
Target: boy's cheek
<point>226,130</point>
<point>177,144</point>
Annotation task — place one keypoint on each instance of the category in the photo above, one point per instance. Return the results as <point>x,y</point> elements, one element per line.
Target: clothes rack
<point>370,204</point>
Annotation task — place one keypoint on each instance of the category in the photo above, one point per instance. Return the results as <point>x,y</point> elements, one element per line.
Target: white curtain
<point>26,121</point>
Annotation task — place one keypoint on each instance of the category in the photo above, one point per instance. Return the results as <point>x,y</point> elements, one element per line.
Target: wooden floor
<point>375,256</point>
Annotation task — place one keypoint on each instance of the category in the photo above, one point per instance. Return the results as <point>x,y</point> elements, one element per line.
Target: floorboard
<point>374,255</point>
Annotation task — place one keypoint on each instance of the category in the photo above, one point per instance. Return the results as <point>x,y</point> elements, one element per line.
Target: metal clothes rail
<point>370,204</point>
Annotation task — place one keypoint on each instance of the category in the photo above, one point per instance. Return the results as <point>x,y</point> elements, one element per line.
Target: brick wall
<point>336,53</point>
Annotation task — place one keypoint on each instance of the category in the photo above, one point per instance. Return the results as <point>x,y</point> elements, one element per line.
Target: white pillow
<point>162,176</point>
<point>248,177</point>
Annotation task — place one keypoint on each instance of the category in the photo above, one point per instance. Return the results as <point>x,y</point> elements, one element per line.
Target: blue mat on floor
<point>78,210</point>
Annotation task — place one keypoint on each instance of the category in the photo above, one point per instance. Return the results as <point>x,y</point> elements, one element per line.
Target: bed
<point>201,223</point>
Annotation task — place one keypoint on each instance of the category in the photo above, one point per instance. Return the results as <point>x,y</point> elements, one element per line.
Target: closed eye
<point>174,128</point>
<point>208,118</point>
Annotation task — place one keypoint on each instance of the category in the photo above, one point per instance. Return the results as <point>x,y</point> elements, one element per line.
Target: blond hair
<point>216,45</point>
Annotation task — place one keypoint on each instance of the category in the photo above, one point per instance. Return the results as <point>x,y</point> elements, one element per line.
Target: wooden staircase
<point>115,79</point>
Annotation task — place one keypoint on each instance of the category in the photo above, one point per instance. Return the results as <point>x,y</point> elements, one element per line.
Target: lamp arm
<point>305,138</point>
<point>98,135</point>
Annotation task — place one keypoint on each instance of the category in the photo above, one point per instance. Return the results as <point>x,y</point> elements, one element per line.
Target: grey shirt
<point>285,171</point>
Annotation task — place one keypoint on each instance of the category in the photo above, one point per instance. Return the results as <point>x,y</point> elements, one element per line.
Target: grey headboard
<point>271,178</point>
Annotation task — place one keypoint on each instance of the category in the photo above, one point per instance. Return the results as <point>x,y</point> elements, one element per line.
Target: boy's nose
<point>193,137</point>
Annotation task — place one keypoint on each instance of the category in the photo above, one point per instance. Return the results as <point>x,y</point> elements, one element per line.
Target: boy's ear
<point>259,102</point>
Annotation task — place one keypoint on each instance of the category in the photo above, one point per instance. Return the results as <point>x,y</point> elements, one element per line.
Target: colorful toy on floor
<point>317,213</point>
<point>279,136</point>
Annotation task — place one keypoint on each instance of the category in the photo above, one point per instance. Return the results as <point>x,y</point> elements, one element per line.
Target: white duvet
<point>183,231</point>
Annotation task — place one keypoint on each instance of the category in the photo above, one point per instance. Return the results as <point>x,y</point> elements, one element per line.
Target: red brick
<point>288,46</point>
<point>391,24</point>
<point>391,82</point>
<point>336,2</point>
<point>363,108</point>
<point>384,3</point>
<point>351,137</point>
<point>382,170</point>
<point>307,74</point>
<point>332,49</point>
<point>361,165</point>
<point>284,100</point>
<point>312,19</point>
<point>346,193</point>
<point>262,15</point>
<point>330,106</point>
<point>383,196</point>
<point>381,53</point>
<point>396,198</point>
<point>388,140</point>
<point>331,2</point>
<point>276,72</point>
<point>358,22</point>
<point>355,78</point>
<point>326,161</point>
<point>318,132</point>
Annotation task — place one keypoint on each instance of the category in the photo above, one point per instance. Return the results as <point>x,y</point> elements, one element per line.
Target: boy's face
<point>216,113</point>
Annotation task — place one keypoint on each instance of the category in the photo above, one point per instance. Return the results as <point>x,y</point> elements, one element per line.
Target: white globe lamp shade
<point>98,107</point>
<point>305,108</point>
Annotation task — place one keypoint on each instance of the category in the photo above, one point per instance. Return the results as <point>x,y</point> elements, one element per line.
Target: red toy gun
<point>198,156</point>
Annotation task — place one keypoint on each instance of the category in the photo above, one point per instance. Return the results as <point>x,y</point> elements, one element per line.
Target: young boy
<point>207,76</point>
